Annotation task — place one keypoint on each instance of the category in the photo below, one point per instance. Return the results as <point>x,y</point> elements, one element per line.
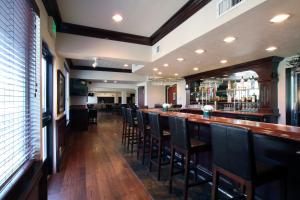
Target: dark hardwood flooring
<point>95,167</point>
<point>99,167</point>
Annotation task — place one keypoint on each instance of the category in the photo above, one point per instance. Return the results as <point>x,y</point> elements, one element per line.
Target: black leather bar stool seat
<point>159,140</point>
<point>233,157</point>
<point>181,142</point>
<point>132,137</point>
<point>144,135</point>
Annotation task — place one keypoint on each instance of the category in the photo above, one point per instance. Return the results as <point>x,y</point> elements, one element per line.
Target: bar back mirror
<point>229,92</point>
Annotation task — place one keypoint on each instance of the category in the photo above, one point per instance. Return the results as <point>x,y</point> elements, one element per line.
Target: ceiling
<point>117,64</point>
<point>140,17</point>
<point>254,34</point>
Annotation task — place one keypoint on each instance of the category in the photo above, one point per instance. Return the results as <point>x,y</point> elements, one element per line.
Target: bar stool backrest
<point>232,148</point>
<point>179,132</point>
<point>129,117</point>
<point>154,123</point>
<point>140,119</point>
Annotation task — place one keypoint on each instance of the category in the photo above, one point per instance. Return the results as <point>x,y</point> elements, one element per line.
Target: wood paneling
<point>61,140</point>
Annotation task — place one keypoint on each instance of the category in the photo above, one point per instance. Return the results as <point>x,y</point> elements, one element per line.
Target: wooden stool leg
<point>214,193</point>
<point>133,138</point>
<point>250,191</point>
<point>171,170</point>
<point>151,148</point>
<point>139,142</point>
<point>159,158</point>
<point>283,187</point>
<point>195,165</point>
<point>128,137</point>
<point>187,175</point>
<point>144,150</point>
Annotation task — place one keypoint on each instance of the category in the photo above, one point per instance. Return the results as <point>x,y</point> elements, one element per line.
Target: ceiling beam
<point>103,34</point>
<point>190,8</point>
<point>105,69</point>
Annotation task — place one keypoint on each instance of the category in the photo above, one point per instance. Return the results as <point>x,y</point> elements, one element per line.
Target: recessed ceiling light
<point>126,65</point>
<point>115,81</point>
<point>180,59</point>
<point>175,74</point>
<point>105,81</point>
<point>160,73</point>
<point>229,39</point>
<point>223,61</point>
<point>279,18</point>
<point>155,69</point>
<point>199,51</point>
<point>195,68</point>
<point>117,18</point>
<point>166,65</point>
<point>225,75</point>
<point>272,48</point>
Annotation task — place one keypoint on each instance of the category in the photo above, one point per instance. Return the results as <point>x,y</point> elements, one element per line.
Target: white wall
<point>58,63</point>
<point>155,94</point>
<point>282,90</point>
<point>74,46</point>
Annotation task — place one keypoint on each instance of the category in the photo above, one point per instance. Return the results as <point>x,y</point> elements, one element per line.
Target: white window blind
<point>19,86</point>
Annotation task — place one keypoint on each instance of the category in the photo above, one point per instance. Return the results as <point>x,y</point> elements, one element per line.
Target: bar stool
<point>143,135</point>
<point>131,130</point>
<point>233,157</point>
<point>159,139</point>
<point>181,142</point>
<point>124,127</point>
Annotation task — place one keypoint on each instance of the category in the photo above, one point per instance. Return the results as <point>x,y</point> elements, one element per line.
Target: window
<point>19,86</point>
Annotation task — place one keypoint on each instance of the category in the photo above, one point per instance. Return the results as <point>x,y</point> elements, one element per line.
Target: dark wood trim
<point>30,181</point>
<point>105,69</point>
<point>53,10</point>
<point>251,65</point>
<point>34,7</point>
<point>103,34</point>
<point>70,63</point>
<point>288,105</point>
<point>190,8</point>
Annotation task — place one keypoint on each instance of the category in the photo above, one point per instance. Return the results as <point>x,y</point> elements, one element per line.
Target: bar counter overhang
<point>272,143</point>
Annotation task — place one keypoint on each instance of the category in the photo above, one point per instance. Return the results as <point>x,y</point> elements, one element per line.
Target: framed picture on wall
<point>61,93</point>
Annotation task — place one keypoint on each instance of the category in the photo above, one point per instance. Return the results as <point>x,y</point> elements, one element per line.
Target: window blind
<point>19,86</point>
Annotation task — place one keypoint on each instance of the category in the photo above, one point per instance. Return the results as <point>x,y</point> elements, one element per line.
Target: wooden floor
<point>96,168</point>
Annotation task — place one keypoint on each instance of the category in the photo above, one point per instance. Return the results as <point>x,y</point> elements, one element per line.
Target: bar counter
<point>254,116</point>
<point>273,143</point>
<point>274,130</point>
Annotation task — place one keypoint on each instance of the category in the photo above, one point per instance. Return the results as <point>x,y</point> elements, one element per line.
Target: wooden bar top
<point>258,114</point>
<point>274,130</point>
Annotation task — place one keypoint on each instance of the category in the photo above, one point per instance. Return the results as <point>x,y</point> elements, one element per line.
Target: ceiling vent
<point>225,6</point>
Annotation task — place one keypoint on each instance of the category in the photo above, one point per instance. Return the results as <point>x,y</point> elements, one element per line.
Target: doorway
<point>171,94</point>
<point>141,96</point>
<point>47,107</point>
